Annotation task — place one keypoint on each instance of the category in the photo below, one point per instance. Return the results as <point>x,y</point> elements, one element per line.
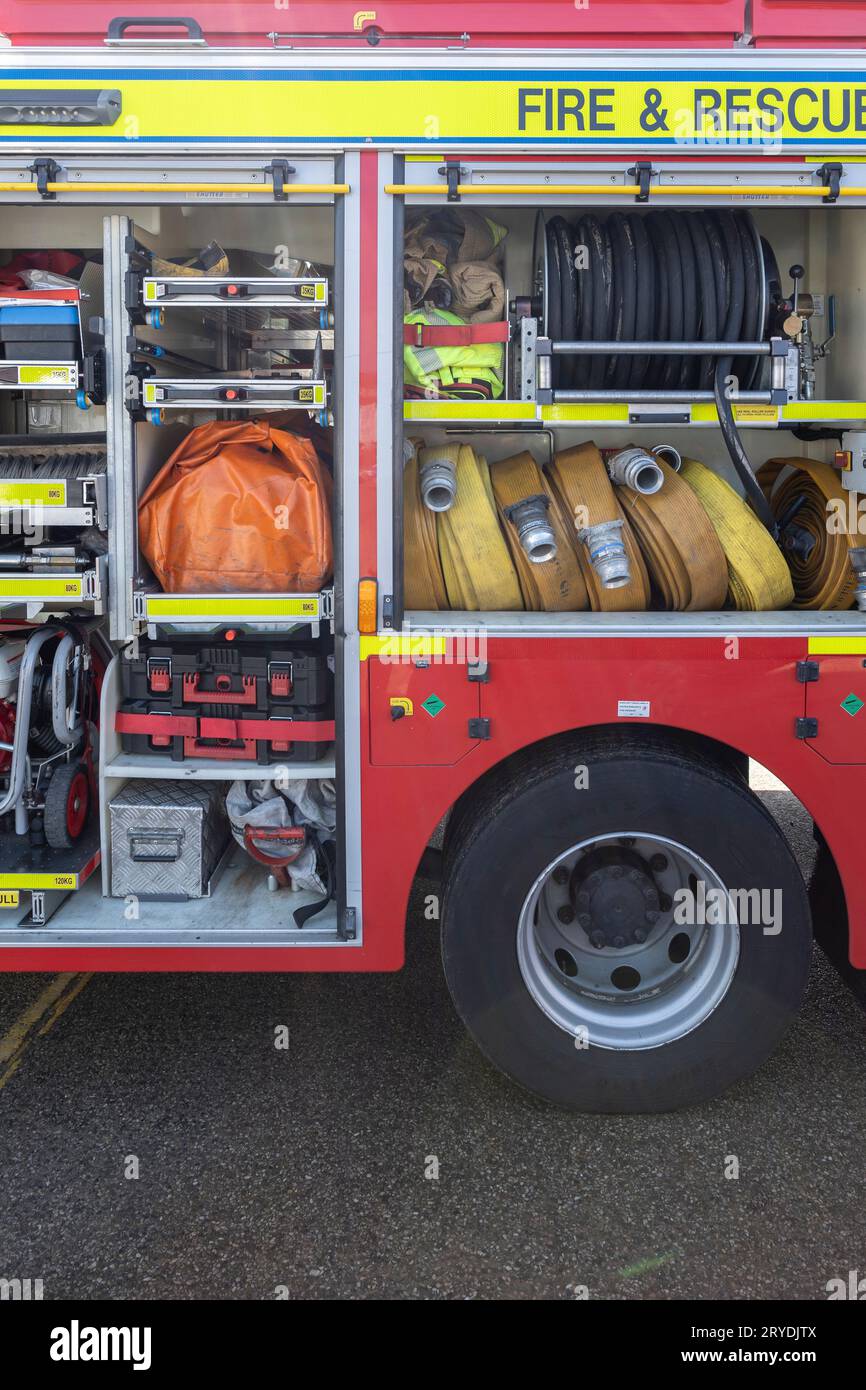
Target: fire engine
<point>430,440</point>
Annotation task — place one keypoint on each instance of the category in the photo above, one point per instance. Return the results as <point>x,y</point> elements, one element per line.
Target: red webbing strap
<point>453,334</point>
<point>190,726</point>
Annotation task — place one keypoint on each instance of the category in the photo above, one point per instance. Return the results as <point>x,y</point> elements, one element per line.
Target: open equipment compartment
<point>216,309</point>
<point>803,399</point>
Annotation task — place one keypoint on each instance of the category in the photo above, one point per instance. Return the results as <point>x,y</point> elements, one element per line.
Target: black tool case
<point>188,676</point>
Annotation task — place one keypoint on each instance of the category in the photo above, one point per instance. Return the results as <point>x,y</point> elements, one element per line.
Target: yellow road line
<point>45,1010</point>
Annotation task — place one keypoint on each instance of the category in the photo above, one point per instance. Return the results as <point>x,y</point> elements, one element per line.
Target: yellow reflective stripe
<point>397,644</point>
<point>468,410</point>
<point>837,646</point>
<point>23,587</point>
<point>36,882</point>
<point>32,493</point>
<point>231,605</point>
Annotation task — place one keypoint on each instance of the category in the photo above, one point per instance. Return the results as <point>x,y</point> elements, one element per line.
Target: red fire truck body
<point>443,715</point>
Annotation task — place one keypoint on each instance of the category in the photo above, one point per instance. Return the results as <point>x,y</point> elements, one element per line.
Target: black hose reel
<point>665,277</point>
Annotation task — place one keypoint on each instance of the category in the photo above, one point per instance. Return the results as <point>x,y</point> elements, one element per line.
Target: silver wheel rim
<point>641,993</point>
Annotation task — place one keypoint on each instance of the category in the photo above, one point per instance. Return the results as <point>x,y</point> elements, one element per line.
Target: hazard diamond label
<point>852,704</point>
<point>433,705</point>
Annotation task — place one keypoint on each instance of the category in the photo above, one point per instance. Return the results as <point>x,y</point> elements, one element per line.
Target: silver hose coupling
<point>607,554</point>
<point>534,531</point>
<point>438,478</point>
<point>637,469</point>
<point>857,561</point>
<point>669,455</point>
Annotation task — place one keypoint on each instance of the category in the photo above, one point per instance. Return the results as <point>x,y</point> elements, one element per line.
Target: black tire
<point>530,813</point>
<point>67,804</point>
<point>830,916</point>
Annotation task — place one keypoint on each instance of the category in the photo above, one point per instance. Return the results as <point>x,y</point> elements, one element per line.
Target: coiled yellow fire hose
<point>423,582</point>
<point>684,557</point>
<point>758,576</point>
<point>553,586</point>
<point>478,570</point>
<point>585,494</point>
<point>823,578</point>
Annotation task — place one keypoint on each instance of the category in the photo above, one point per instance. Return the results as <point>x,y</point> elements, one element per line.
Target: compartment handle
<point>117,29</point>
<point>167,838</point>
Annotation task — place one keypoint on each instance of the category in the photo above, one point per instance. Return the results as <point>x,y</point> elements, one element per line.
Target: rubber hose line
<point>692,275</point>
<point>553,307</point>
<point>568,291</point>
<point>708,326</point>
<point>597,246</point>
<point>678,275</point>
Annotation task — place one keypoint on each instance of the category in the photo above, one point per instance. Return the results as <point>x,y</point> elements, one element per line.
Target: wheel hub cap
<point>606,955</point>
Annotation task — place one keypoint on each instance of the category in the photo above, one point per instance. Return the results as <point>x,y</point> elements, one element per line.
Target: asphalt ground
<point>309,1171</point>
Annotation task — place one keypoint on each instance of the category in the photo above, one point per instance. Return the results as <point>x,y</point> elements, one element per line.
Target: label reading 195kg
<point>633,709</point>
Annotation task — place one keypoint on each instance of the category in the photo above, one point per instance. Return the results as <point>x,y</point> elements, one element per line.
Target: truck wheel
<point>67,803</point>
<point>592,939</point>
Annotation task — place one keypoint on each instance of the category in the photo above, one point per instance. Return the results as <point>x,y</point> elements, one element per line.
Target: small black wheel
<point>625,928</point>
<point>67,804</point>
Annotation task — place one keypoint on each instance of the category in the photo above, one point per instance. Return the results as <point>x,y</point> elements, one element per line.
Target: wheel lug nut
<point>597,939</point>
<point>649,894</point>
<point>616,870</point>
<point>633,876</point>
<point>560,875</point>
<point>619,942</point>
<point>585,920</point>
<point>639,935</point>
<point>658,863</point>
<point>565,913</point>
<point>651,916</point>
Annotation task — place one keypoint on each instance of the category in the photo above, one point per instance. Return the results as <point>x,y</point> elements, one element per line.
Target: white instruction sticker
<point>633,709</point>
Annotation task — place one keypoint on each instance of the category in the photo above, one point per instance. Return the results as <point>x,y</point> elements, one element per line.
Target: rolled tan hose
<point>423,582</point>
<point>825,579</point>
<point>758,576</point>
<point>554,586</point>
<point>684,556</point>
<point>478,569</point>
<point>585,494</point>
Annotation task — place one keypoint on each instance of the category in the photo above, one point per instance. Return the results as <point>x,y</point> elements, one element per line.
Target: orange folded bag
<point>239,506</point>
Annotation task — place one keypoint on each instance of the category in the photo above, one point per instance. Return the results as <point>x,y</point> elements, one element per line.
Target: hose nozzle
<point>607,554</point>
<point>534,531</point>
<point>669,455</point>
<point>637,469</point>
<point>438,478</point>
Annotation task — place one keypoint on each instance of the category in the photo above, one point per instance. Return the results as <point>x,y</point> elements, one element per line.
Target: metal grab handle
<point>157,837</point>
<point>118,27</point>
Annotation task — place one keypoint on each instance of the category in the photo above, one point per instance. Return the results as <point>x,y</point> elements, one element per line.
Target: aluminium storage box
<point>167,838</point>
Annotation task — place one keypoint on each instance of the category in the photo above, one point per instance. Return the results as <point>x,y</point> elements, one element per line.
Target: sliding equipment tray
<point>60,588</point>
<point>265,291</point>
<point>54,502</point>
<point>188,613</point>
<point>35,880</point>
<point>233,393</point>
<point>39,376</point>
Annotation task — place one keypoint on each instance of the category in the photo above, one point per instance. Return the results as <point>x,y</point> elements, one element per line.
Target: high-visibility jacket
<point>470,369</point>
